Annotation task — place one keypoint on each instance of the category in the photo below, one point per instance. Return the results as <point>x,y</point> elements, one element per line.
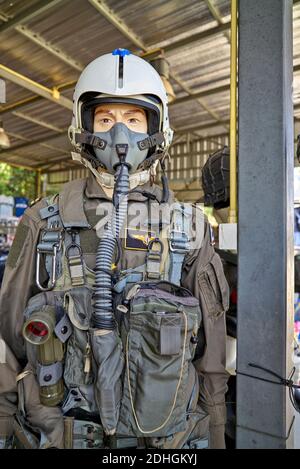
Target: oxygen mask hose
<point>103,317</point>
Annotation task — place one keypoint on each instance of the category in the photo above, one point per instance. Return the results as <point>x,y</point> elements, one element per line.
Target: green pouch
<point>159,346</point>
<point>78,303</point>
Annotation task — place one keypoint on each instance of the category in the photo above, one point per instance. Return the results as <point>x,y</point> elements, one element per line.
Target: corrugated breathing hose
<point>103,317</point>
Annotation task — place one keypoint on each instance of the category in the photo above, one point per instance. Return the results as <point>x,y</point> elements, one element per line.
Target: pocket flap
<point>78,303</point>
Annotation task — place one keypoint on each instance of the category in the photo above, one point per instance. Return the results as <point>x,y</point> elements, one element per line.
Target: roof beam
<point>110,15</point>
<point>30,143</point>
<point>45,145</point>
<point>212,91</point>
<point>41,90</point>
<point>221,28</point>
<point>37,9</point>
<point>200,101</point>
<point>39,122</point>
<point>19,104</point>
<point>215,13</point>
<point>200,127</point>
<point>59,159</point>
<point>32,99</point>
<point>45,44</point>
<point>197,37</point>
<point>201,94</point>
<point>54,50</point>
<point>127,32</point>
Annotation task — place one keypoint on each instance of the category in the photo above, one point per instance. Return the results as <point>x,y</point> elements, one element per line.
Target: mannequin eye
<point>105,120</point>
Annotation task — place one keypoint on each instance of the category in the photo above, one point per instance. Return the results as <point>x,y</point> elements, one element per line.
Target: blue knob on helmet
<point>121,52</point>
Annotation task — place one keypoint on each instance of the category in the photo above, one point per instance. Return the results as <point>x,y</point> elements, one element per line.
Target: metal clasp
<point>52,250</point>
<point>175,245</point>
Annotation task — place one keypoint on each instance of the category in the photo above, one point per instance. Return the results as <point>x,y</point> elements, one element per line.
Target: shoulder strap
<point>50,244</point>
<point>179,239</point>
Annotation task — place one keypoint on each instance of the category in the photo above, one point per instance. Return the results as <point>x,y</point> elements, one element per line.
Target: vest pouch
<point>195,436</point>
<point>78,366</point>
<point>159,347</point>
<point>196,433</point>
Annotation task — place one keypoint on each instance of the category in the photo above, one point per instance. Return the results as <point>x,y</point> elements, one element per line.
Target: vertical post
<point>232,218</point>
<point>265,231</point>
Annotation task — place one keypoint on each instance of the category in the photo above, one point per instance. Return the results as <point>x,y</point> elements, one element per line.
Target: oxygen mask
<point>117,139</point>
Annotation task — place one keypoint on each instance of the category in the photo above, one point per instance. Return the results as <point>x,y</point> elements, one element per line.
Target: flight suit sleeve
<point>203,274</point>
<point>17,287</point>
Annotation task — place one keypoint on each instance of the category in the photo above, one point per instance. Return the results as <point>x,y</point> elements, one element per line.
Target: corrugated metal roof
<point>82,33</point>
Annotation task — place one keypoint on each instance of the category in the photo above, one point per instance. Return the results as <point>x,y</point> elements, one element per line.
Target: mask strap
<point>90,139</point>
<point>155,139</point>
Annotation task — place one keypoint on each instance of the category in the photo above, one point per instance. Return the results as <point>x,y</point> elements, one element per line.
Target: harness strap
<point>47,375</point>
<point>134,275</point>
<point>50,245</point>
<point>81,434</point>
<point>75,259</point>
<point>68,432</point>
<point>179,240</point>
<point>154,259</point>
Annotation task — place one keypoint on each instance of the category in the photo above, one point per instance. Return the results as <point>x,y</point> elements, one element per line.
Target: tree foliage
<point>17,182</point>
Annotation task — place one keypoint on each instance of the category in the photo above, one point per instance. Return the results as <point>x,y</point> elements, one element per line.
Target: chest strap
<point>50,245</point>
<point>75,258</point>
<point>179,240</point>
<point>154,259</point>
<point>134,275</point>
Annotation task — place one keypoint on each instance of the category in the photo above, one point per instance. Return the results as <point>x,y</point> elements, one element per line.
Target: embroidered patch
<point>138,240</point>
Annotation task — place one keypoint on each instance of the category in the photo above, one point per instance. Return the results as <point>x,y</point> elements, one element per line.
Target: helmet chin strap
<point>108,180</point>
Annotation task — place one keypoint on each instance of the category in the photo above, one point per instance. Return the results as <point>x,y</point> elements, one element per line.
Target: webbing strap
<point>154,259</point>
<point>68,432</point>
<point>134,275</point>
<point>179,240</point>
<point>199,443</point>
<point>75,258</point>
<point>50,245</point>
<point>151,141</point>
<point>48,375</point>
<point>76,271</point>
<point>90,139</point>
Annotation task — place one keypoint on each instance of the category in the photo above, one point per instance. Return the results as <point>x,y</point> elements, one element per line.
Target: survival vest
<point>159,330</point>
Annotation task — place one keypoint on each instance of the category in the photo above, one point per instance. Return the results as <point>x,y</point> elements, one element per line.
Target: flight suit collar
<point>93,190</point>
<point>71,199</point>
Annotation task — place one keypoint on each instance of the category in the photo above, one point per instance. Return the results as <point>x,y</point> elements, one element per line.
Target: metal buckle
<point>154,256</point>
<point>56,247</point>
<point>173,245</point>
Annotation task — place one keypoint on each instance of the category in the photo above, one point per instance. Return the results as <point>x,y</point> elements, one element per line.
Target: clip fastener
<point>153,258</point>
<point>49,245</point>
<point>178,241</point>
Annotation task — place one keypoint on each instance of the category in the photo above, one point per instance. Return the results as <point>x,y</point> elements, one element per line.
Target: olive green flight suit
<point>202,274</point>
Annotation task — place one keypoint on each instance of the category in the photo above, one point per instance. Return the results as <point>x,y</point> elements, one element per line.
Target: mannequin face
<point>107,115</point>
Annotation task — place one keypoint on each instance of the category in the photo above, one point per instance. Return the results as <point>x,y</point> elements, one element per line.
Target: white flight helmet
<point>119,77</point>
